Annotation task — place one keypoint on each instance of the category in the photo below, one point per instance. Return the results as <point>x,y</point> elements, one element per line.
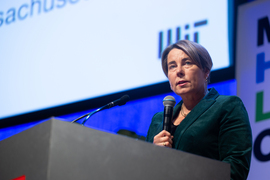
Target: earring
<point>206,79</point>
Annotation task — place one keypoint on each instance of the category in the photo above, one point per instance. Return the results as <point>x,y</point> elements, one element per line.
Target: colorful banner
<point>253,80</point>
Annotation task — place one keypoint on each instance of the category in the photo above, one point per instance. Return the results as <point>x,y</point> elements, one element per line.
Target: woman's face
<point>184,75</point>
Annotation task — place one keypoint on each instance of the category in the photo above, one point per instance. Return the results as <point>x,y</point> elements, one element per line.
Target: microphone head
<point>169,101</point>
<point>123,100</point>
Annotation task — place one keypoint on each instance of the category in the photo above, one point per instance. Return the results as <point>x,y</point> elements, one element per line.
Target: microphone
<point>168,103</point>
<point>119,102</point>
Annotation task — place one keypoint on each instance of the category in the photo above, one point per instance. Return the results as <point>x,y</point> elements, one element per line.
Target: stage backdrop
<point>56,52</point>
<point>253,80</point>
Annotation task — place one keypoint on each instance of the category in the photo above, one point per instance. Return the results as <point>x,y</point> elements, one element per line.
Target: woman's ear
<point>207,72</point>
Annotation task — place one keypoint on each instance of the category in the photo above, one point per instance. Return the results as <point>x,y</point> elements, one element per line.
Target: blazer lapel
<point>196,112</point>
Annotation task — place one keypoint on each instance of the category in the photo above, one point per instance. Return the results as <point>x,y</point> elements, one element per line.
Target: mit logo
<point>178,35</point>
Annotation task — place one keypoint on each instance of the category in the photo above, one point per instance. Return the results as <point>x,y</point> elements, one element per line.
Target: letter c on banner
<point>257,146</point>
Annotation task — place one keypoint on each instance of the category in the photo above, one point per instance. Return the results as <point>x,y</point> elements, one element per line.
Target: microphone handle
<point>168,114</point>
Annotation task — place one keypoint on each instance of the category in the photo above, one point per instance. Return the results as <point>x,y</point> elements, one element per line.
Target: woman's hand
<point>164,138</point>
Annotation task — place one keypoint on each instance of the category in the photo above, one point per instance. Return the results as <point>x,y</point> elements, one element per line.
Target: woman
<point>204,122</point>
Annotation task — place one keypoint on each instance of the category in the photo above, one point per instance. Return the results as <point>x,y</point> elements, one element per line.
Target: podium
<point>58,150</point>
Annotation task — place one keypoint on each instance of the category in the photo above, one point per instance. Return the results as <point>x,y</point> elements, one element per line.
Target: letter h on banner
<point>261,67</point>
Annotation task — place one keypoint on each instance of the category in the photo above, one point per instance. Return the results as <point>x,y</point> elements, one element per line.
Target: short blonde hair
<point>194,50</point>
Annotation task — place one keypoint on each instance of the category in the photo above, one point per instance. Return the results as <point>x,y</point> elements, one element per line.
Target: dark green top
<point>217,127</point>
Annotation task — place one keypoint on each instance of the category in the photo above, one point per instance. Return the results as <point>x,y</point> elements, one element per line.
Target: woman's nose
<point>180,71</point>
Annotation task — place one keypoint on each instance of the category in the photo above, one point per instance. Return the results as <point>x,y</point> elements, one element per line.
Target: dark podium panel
<point>57,150</point>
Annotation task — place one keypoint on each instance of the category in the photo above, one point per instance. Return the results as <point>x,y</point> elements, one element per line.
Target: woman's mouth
<point>182,83</point>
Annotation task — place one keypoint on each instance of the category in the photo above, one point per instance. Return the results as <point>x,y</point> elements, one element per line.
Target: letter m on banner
<point>263,26</point>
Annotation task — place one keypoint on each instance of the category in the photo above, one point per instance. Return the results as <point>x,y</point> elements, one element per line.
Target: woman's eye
<point>172,66</point>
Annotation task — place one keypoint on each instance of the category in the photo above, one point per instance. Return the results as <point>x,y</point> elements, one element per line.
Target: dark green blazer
<point>217,127</point>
